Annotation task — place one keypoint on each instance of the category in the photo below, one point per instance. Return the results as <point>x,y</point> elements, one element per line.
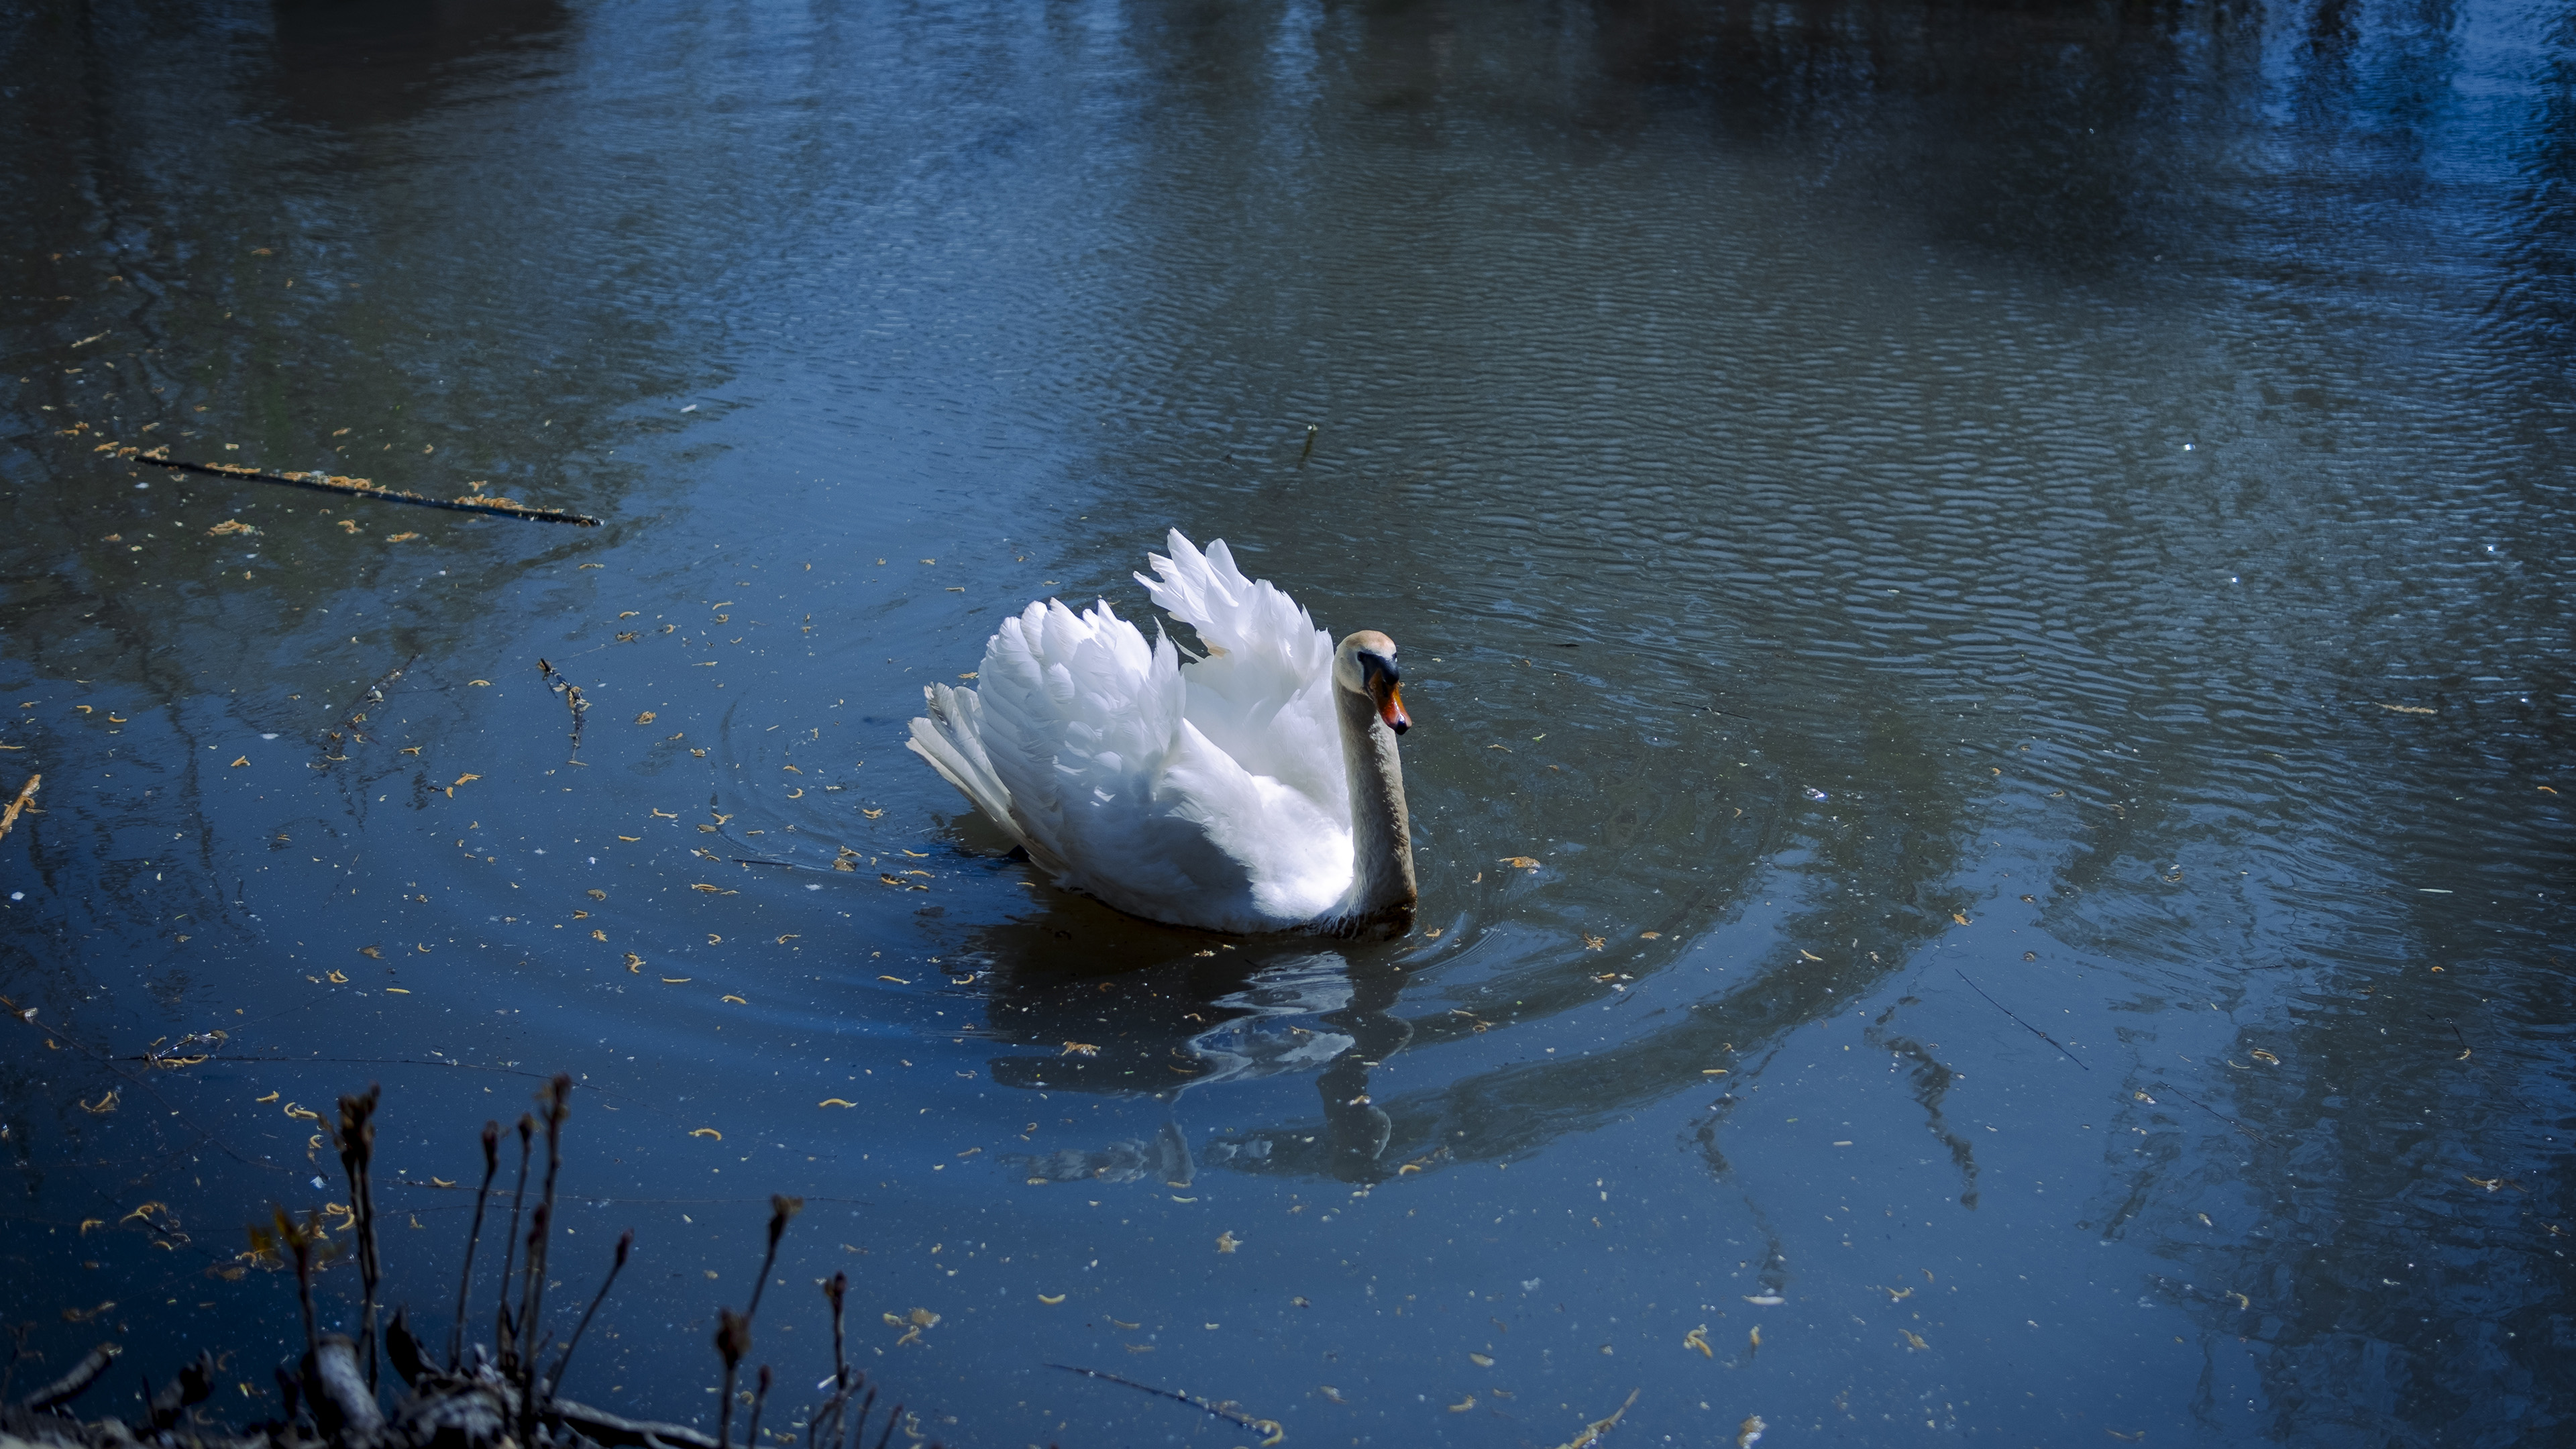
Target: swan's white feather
<point>1210,794</point>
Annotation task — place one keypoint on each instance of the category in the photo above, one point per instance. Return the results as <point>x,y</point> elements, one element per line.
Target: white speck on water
<point>17,895</point>
<point>813,888</point>
<point>317,1182</point>
<point>272,734</point>
<point>693,407</point>
<point>594,860</point>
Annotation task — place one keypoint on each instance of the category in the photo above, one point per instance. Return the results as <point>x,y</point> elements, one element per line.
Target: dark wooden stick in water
<point>361,488</point>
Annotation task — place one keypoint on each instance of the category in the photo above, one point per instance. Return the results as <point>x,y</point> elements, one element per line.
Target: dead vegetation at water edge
<point>497,1395</point>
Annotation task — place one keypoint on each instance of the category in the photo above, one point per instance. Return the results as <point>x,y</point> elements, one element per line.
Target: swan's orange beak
<point>1390,705</point>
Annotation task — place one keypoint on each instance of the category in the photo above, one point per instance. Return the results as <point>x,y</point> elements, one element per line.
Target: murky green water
<point>2008,569</point>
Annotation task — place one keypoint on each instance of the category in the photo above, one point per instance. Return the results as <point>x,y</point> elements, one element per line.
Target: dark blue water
<point>2006,570</point>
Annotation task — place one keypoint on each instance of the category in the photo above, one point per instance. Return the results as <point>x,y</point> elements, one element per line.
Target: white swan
<point>1254,790</point>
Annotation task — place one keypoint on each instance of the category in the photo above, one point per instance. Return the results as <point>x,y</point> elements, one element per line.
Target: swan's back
<point>1212,795</point>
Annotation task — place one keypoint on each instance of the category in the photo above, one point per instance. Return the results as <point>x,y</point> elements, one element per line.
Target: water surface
<point>2004,568</point>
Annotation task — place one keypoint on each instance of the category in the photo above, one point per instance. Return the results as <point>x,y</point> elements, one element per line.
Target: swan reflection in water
<point>1316,1013</point>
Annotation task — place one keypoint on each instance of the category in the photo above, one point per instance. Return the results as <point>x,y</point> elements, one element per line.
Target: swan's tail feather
<point>951,739</point>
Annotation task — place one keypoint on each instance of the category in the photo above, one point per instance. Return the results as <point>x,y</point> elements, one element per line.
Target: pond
<point>1985,596</point>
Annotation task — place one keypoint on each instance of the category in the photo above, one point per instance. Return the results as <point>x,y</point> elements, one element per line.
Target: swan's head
<point>1365,665</point>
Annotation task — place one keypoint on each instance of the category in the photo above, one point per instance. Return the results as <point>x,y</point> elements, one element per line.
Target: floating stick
<point>26,795</point>
<point>359,488</point>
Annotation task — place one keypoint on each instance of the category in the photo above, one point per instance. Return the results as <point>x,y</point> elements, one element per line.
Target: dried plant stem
<point>298,1239</point>
<point>357,1151</point>
<point>838,1292</point>
<point>507,1329</point>
<point>465,1279</point>
<point>759,1400</point>
<point>782,1209</point>
<point>733,1340</point>
<point>625,1246</point>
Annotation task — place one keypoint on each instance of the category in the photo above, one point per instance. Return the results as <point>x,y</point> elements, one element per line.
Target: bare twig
<point>733,1340</point>
<point>508,1329</point>
<point>1269,1427</point>
<point>360,488</point>
<point>357,1133</point>
<point>838,1292</point>
<point>465,1279</point>
<point>625,1246</point>
<point>298,1240</point>
<point>556,1098</point>
<point>524,1372</point>
<point>26,797</point>
<point>859,1425</point>
<point>2017,1021</point>
<point>782,1209</point>
<point>2214,1112</point>
<point>759,1400</point>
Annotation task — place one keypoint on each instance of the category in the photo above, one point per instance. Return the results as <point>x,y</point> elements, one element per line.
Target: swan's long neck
<point>1382,888</point>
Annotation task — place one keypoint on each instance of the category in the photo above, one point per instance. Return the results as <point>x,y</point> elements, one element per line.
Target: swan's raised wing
<point>1077,734</point>
<point>1264,693</point>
